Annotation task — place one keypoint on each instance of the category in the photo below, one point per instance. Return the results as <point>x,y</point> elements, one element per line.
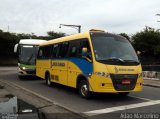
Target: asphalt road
<point>101,106</point>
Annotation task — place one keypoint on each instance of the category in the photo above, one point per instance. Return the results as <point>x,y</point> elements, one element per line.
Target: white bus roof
<point>31,41</point>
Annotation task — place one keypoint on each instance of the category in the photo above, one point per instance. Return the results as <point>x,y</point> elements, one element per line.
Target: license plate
<point>126,82</point>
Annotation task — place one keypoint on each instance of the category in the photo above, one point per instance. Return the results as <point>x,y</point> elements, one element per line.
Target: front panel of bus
<point>26,59</point>
<point>115,63</point>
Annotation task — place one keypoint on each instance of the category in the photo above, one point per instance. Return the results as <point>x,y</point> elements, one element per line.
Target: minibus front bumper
<point>114,84</point>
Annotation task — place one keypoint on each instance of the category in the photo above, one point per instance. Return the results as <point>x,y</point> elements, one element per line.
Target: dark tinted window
<point>85,44</point>
<point>76,46</point>
<point>66,49</point>
<point>113,49</point>
<point>74,49</point>
<point>55,50</point>
<point>40,53</point>
<point>63,50</point>
<point>45,52</point>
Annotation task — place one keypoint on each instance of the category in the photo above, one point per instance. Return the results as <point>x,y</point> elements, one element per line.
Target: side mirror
<point>15,48</point>
<point>84,50</point>
<point>86,54</point>
<point>16,52</point>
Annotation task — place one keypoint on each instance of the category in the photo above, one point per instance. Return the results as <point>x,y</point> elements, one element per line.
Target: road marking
<point>119,108</point>
<point>141,98</point>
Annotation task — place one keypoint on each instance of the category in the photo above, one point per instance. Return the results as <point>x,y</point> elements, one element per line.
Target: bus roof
<point>69,38</point>
<point>66,38</point>
<point>31,41</point>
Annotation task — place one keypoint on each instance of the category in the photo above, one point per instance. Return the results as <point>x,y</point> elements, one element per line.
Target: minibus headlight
<point>140,75</point>
<point>104,74</point>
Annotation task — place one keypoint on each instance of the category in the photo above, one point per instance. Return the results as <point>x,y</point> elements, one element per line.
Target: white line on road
<point>141,98</point>
<point>119,108</point>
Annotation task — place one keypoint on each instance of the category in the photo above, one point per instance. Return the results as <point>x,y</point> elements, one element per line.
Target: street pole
<point>158,15</point>
<point>78,27</point>
<point>8,29</point>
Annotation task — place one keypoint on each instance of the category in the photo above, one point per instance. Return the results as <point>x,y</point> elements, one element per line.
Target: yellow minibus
<point>93,61</point>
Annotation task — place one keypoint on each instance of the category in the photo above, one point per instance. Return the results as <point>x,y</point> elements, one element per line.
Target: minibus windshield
<point>113,49</point>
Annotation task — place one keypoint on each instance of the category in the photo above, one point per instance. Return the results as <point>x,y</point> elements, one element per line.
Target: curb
<point>150,85</point>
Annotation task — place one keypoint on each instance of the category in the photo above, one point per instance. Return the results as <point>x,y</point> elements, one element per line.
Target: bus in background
<point>26,51</point>
<point>93,61</point>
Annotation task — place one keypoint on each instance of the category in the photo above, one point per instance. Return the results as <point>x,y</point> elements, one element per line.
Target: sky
<point>115,16</point>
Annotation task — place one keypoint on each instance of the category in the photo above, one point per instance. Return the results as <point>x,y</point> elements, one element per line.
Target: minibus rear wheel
<point>84,89</point>
<point>48,80</point>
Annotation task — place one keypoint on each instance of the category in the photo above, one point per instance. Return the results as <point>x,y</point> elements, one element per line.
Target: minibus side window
<point>55,50</point>
<point>63,50</point>
<point>74,48</point>
<point>46,52</point>
<point>40,53</point>
<point>85,44</point>
<point>43,52</point>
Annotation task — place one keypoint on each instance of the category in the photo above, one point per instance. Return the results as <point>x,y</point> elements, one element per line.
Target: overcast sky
<point>40,16</point>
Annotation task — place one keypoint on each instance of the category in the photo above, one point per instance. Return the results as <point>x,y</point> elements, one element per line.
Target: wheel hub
<point>48,81</point>
<point>84,90</point>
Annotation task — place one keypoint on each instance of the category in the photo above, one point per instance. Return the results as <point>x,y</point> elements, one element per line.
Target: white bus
<point>26,51</point>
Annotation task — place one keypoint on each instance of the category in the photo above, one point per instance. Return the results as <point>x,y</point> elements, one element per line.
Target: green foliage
<point>147,42</point>
<point>125,35</point>
<point>8,40</point>
<point>53,35</point>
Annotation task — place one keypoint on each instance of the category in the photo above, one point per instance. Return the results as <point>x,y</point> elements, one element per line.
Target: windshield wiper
<point>29,59</point>
<point>115,59</point>
<point>132,61</point>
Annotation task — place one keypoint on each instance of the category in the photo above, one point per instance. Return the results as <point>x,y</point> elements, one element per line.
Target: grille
<point>29,71</point>
<point>118,78</point>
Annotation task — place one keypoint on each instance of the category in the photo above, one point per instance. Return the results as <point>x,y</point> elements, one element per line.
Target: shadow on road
<point>95,96</point>
<point>28,78</point>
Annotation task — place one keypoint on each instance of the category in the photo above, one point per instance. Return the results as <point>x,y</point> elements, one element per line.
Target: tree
<point>53,35</point>
<point>147,42</point>
<point>8,40</point>
<point>125,35</point>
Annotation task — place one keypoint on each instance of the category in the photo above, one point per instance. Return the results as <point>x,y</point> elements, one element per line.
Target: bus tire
<point>84,89</point>
<point>123,94</point>
<point>48,80</point>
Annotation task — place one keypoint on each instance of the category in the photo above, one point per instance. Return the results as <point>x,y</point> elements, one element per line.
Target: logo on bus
<point>116,70</point>
<point>58,64</point>
<point>122,69</point>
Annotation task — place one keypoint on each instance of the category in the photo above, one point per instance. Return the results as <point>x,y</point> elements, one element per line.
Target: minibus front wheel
<point>84,89</point>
